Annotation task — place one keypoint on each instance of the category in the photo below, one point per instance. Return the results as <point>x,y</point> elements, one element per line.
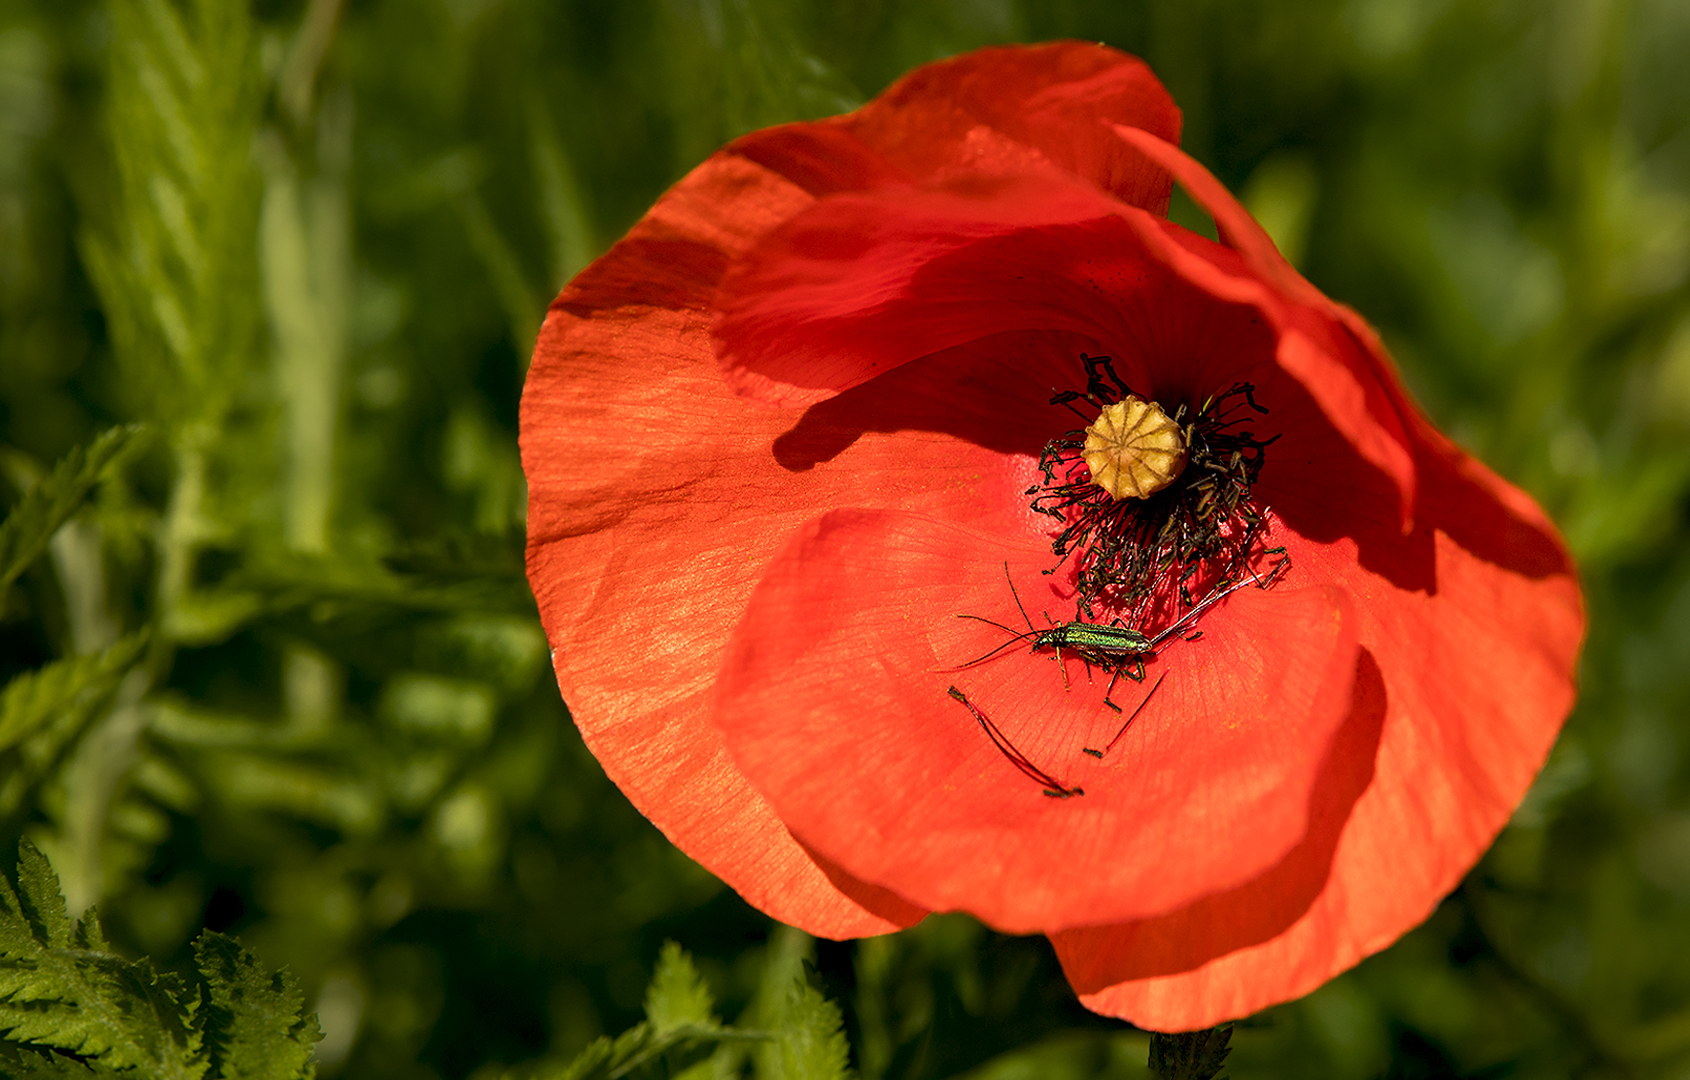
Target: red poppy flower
<point>791,427</point>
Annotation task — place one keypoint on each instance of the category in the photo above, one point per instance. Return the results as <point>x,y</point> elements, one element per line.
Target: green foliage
<point>256,1025</point>
<point>283,675</point>
<point>172,252</point>
<point>31,523</point>
<point>812,1036</point>
<point>68,689</point>
<point>806,1040</point>
<point>676,1039</point>
<point>65,995</point>
<point>678,995</point>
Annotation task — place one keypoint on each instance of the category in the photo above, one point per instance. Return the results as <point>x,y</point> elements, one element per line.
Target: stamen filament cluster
<point>1146,556</point>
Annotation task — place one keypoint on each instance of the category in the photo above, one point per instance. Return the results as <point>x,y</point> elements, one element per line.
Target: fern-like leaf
<point>70,1007</point>
<point>811,1035</point>
<point>58,994</point>
<point>18,1063</point>
<point>675,1041</point>
<point>175,262</point>
<point>256,1026</point>
<point>51,502</point>
<point>74,684</point>
<point>677,995</point>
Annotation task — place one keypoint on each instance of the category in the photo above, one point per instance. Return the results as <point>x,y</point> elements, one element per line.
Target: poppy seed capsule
<point>1134,449</point>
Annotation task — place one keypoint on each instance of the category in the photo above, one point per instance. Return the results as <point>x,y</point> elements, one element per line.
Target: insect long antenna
<point>1129,723</point>
<point>1015,635</point>
<point>1011,583</point>
<point>1274,573</point>
<point>1052,786</point>
<point>1016,638</point>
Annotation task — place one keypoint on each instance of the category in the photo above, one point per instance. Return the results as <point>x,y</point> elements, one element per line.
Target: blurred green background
<point>308,245</point>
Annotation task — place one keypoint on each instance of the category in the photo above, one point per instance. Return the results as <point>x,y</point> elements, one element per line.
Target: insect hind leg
<point>1133,670</point>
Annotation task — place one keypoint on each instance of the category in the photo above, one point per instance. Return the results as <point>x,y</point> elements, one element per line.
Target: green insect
<point>1116,647</point>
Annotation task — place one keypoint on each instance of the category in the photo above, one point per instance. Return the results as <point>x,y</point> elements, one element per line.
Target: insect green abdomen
<point>1105,639</point>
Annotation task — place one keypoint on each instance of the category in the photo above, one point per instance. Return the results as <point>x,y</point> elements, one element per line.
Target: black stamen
<point>1134,555</point>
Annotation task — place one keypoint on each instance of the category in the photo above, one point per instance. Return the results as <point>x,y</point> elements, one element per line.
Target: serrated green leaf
<point>174,265</point>
<point>675,1041</point>
<point>43,903</point>
<point>256,1025</point>
<point>604,1054</point>
<point>641,1051</point>
<point>811,1037</point>
<point>32,700</point>
<point>789,951</point>
<point>100,1007</point>
<point>50,503</point>
<point>677,995</point>
<point>593,1061</point>
<point>89,934</point>
<point>679,1047</point>
<point>17,1063</point>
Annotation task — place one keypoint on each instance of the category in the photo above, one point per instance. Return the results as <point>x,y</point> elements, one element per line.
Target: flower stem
<point>1189,1055</point>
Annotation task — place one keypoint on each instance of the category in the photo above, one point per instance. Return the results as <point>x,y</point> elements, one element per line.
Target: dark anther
<point>1138,556</point>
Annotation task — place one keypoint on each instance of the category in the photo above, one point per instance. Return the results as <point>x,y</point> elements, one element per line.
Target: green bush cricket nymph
<point>1121,649</point>
<point>1116,647</point>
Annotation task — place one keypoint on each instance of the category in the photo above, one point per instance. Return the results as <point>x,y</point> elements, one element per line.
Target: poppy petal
<point>996,110</point>
<point>1057,99</point>
<point>861,283</point>
<point>1348,385</point>
<point>605,442</point>
<point>834,702</point>
<point>857,285</point>
<point>1457,748</point>
<point>623,398</point>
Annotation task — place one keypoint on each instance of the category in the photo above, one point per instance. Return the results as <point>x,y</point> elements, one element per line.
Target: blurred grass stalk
<point>170,252</point>
<point>305,256</point>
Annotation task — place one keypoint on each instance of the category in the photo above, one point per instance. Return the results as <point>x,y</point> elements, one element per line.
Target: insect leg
<point>1129,723</point>
<point>1113,679</point>
<point>1052,786</point>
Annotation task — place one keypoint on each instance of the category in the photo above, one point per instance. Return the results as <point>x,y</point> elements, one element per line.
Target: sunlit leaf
<point>48,504</point>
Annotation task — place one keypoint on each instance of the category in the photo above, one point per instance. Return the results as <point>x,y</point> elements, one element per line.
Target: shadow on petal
<point>991,392</point>
<point>875,899</point>
<point>1095,958</point>
<point>1490,518</point>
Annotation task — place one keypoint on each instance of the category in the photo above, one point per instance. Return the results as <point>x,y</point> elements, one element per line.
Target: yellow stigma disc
<point>1134,449</point>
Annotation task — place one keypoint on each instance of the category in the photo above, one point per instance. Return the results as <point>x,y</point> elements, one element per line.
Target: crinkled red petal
<point>1353,382</point>
<point>626,425</point>
<point>1470,628</point>
<point>653,488</point>
<point>993,111</point>
<point>856,285</point>
<point>834,702</point>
